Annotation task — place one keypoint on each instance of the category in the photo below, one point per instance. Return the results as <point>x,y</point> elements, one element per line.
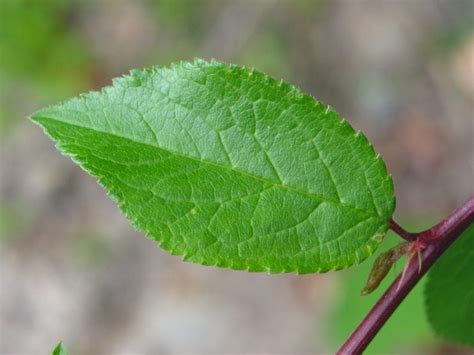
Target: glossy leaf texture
<point>225,166</point>
<point>449,292</point>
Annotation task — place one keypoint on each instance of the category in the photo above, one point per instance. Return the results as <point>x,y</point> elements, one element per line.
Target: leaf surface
<point>225,166</point>
<point>59,349</point>
<point>449,292</point>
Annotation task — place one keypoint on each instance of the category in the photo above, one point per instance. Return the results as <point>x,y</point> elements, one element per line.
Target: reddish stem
<point>400,231</point>
<point>438,239</point>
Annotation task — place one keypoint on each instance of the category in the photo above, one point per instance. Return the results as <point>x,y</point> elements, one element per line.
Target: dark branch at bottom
<point>437,240</point>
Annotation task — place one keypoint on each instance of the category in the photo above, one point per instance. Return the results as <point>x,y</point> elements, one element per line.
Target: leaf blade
<point>198,156</point>
<point>59,349</point>
<point>449,295</point>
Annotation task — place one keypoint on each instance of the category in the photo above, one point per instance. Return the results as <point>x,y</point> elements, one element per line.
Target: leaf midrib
<point>312,195</point>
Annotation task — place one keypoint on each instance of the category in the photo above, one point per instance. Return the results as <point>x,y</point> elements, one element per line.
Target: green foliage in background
<point>35,42</point>
<point>40,54</point>
<point>450,293</point>
<point>13,222</point>
<point>90,249</point>
<point>227,167</point>
<point>183,15</point>
<point>267,52</point>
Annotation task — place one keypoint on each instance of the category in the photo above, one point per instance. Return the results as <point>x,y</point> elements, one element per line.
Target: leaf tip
<point>59,349</point>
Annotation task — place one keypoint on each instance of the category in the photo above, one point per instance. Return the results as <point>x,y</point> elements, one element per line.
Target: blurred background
<point>73,269</point>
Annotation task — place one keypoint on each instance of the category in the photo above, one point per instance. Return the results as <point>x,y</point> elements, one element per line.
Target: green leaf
<point>228,167</point>
<point>59,349</point>
<point>449,292</point>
